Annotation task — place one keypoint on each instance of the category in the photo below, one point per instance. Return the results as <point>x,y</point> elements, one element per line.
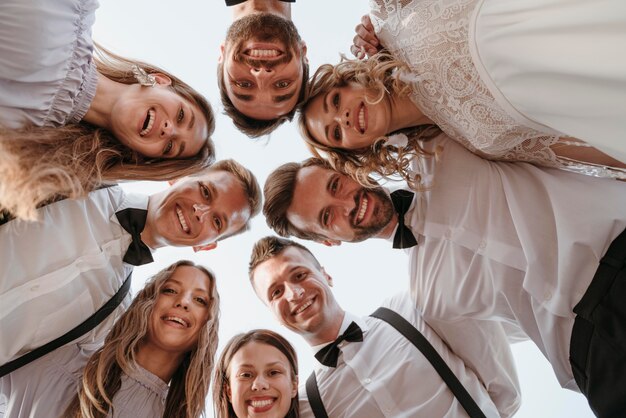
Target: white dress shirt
<point>57,272</point>
<point>509,242</point>
<point>387,376</point>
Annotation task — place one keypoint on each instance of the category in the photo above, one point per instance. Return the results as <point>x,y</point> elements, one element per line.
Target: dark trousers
<point>598,344</point>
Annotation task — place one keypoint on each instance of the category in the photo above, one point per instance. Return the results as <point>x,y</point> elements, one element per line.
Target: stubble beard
<point>382,217</point>
<point>262,27</point>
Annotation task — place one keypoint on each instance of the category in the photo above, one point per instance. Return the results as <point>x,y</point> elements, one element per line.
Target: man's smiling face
<point>334,206</point>
<point>263,65</point>
<point>197,211</point>
<point>297,291</point>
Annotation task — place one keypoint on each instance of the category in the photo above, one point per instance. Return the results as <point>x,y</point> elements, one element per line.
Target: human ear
<point>229,393</point>
<point>294,389</point>
<point>206,247</point>
<point>329,279</point>
<point>162,79</point>
<point>330,242</point>
<point>220,59</point>
<point>303,50</point>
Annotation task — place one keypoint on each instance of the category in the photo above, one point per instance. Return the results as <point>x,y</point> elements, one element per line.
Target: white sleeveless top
<point>433,38</point>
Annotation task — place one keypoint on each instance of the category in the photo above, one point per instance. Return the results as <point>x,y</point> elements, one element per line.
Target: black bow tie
<point>404,238</point>
<point>329,354</point>
<point>133,221</point>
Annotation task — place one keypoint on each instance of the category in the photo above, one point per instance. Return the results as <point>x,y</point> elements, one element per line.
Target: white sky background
<point>183,37</point>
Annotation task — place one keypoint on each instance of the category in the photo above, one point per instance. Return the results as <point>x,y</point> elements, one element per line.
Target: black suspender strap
<point>78,331</point>
<point>405,328</point>
<point>313,393</point>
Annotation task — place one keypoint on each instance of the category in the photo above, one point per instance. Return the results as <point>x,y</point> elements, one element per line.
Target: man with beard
<point>542,250</point>
<point>367,374</point>
<point>262,69</point>
<point>56,273</point>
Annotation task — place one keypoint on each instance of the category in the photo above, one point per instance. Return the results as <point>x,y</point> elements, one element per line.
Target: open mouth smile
<point>181,220</point>
<point>177,320</point>
<point>148,122</point>
<point>361,209</point>
<point>262,53</point>
<point>262,405</point>
<point>361,119</point>
<point>303,307</point>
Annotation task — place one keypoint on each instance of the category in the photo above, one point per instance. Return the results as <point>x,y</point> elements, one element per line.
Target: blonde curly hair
<point>379,75</point>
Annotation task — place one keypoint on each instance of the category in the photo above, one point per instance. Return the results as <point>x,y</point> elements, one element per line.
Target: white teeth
<point>181,219</point>
<point>264,53</point>
<point>304,306</point>
<point>177,320</point>
<point>359,216</point>
<point>148,127</point>
<point>362,119</point>
<point>260,404</point>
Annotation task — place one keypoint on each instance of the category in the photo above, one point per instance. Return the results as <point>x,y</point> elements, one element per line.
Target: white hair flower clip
<point>397,140</point>
<point>143,77</point>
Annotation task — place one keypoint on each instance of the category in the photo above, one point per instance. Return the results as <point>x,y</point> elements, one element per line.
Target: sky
<point>183,37</point>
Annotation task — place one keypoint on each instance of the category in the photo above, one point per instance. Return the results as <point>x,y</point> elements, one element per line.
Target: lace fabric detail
<point>431,37</point>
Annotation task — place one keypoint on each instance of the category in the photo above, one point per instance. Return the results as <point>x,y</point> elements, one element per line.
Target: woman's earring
<point>143,77</point>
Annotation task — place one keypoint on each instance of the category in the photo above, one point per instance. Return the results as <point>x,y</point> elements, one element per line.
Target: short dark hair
<point>272,246</point>
<point>256,128</point>
<point>278,191</point>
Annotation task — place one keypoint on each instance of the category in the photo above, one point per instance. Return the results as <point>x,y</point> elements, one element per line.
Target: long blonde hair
<point>378,75</point>
<point>103,372</point>
<point>39,163</point>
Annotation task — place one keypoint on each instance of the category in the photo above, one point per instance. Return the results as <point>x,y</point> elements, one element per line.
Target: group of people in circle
<point>514,160</point>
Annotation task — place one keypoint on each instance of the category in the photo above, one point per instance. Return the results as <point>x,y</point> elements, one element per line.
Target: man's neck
<point>148,235</point>
<point>276,7</point>
<point>329,333</point>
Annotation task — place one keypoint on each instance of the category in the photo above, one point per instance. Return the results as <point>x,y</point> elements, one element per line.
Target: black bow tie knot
<point>403,238</point>
<point>133,221</point>
<point>329,355</point>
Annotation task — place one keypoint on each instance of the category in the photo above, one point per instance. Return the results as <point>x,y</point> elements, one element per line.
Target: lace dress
<point>433,38</point>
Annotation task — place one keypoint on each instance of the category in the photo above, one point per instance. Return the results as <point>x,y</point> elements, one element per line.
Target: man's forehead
<point>279,265</point>
<point>214,176</point>
<point>310,187</point>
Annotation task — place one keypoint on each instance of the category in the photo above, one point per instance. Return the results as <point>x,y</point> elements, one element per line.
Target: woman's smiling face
<point>347,117</point>
<point>260,382</point>
<point>181,311</point>
<point>157,122</point>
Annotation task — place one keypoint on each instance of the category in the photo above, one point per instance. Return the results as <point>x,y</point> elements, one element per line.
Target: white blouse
<point>47,73</point>
<point>45,387</point>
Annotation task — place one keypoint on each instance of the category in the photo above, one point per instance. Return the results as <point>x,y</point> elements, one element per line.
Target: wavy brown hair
<point>39,163</point>
<point>102,376</point>
<point>379,76</point>
<point>223,407</point>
